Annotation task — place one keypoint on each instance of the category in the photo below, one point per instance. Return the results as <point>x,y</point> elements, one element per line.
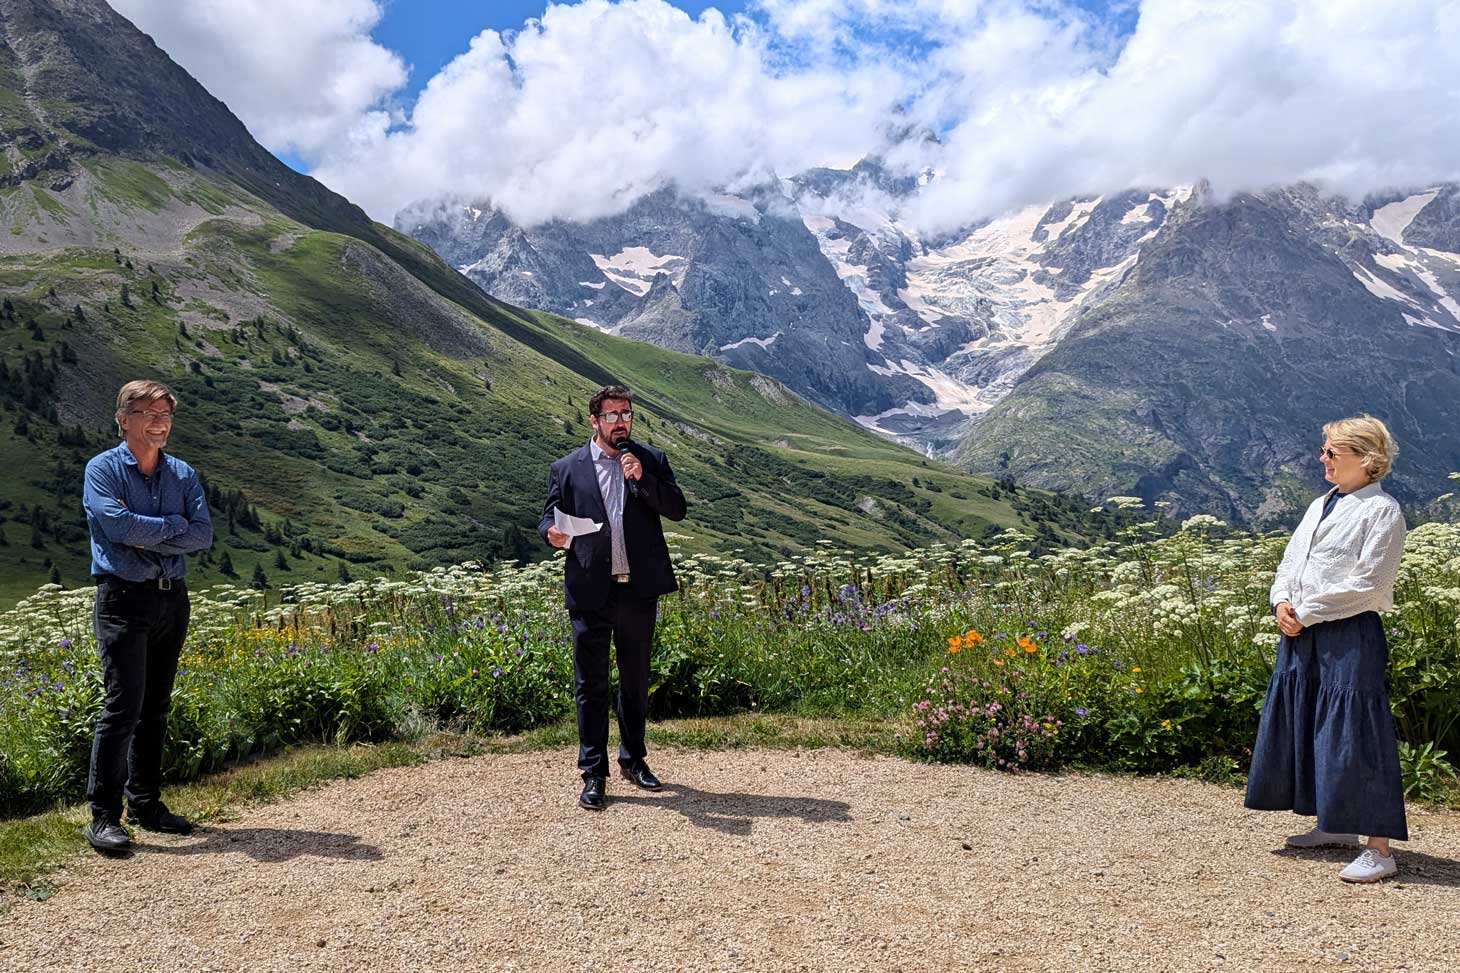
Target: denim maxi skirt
<point>1325,741</point>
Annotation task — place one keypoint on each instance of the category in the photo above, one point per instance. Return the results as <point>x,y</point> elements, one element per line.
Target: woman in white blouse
<point>1325,742</point>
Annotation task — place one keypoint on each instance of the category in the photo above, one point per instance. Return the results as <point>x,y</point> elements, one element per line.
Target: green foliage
<point>402,436</point>
<point>1154,656</point>
<point>1428,776</point>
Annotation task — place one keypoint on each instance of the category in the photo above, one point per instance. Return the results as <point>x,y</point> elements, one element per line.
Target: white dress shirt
<point>610,472</point>
<point>1347,563</point>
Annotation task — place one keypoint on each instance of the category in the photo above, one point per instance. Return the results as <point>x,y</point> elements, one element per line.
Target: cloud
<point>300,75</point>
<point>1247,93</point>
<point>583,110</point>
<point>588,108</point>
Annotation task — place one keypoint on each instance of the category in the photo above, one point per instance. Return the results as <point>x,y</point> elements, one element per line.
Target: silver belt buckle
<point>621,578</point>
<point>164,584</point>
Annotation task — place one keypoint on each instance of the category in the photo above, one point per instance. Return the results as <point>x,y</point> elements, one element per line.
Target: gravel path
<point>748,860</point>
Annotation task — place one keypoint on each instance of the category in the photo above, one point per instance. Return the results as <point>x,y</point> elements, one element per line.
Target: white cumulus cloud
<point>593,104</point>
<point>1247,93</point>
<point>588,108</point>
<point>300,75</point>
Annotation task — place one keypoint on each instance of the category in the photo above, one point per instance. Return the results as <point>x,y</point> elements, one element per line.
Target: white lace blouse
<point>1345,565</point>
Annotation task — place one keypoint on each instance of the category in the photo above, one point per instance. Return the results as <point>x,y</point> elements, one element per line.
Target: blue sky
<point>610,101</point>
<point>429,33</point>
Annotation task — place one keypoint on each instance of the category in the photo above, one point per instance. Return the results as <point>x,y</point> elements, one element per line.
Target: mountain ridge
<point>956,331</point>
<point>353,403</point>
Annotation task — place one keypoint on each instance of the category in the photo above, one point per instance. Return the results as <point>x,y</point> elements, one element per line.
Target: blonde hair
<point>142,390</point>
<point>1369,438</point>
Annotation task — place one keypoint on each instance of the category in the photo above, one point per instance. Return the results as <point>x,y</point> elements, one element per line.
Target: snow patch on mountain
<point>634,268</point>
<point>1079,212</point>
<point>949,392</point>
<point>1392,220</point>
<point>762,342</point>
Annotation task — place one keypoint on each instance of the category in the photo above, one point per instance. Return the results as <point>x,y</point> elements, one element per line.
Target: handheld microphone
<point>621,444</point>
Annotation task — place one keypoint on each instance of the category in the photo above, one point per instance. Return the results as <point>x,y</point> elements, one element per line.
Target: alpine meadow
<point>1007,497</point>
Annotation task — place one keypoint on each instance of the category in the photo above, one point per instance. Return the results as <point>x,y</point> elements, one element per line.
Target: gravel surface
<point>747,860</point>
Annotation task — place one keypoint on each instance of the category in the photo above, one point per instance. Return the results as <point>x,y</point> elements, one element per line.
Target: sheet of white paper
<point>574,526</point>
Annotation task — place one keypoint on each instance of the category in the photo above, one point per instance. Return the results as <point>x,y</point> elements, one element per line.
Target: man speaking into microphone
<point>612,580</point>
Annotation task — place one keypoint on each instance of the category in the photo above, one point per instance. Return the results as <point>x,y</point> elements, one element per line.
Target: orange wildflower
<point>972,637</point>
<point>1026,643</point>
<point>998,662</point>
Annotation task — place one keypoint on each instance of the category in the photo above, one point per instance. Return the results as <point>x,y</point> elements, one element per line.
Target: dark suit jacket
<point>573,489</point>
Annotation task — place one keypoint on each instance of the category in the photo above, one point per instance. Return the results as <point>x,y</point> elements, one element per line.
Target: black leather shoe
<point>641,775</point>
<point>107,835</point>
<point>592,797</point>
<point>158,818</point>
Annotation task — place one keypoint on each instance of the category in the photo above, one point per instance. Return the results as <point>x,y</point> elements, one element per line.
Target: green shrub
<point>1145,654</point>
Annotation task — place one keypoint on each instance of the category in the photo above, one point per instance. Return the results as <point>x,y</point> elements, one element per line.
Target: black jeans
<point>629,620</point>
<point>139,632</point>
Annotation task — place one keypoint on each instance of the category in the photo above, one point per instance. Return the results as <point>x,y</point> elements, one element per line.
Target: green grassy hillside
<point>350,416</point>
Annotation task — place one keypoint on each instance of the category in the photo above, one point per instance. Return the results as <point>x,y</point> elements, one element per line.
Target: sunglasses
<point>1329,453</point>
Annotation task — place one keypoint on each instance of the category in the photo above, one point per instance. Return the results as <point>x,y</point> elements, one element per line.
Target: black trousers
<point>139,632</point>
<point>628,620</point>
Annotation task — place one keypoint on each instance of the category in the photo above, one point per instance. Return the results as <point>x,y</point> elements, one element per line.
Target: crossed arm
<point>169,534</point>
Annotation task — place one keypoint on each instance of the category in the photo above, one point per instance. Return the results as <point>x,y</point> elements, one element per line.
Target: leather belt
<point>161,584</point>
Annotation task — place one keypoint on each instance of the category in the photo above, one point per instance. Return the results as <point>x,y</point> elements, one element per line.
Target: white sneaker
<point>1323,839</point>
<point>1370,867</point>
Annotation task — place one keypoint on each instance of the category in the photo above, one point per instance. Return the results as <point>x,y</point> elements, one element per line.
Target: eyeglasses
<point>1329,453</point>
<point>151,416</point>
<point>611,417</point>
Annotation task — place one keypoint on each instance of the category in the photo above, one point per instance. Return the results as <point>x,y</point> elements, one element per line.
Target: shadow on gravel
<point>1415,867</point>
<point>733,812</point>
<point>271,845</point>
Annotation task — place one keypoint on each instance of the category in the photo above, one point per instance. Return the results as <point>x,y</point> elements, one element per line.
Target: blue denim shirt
<point>141,526</point>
